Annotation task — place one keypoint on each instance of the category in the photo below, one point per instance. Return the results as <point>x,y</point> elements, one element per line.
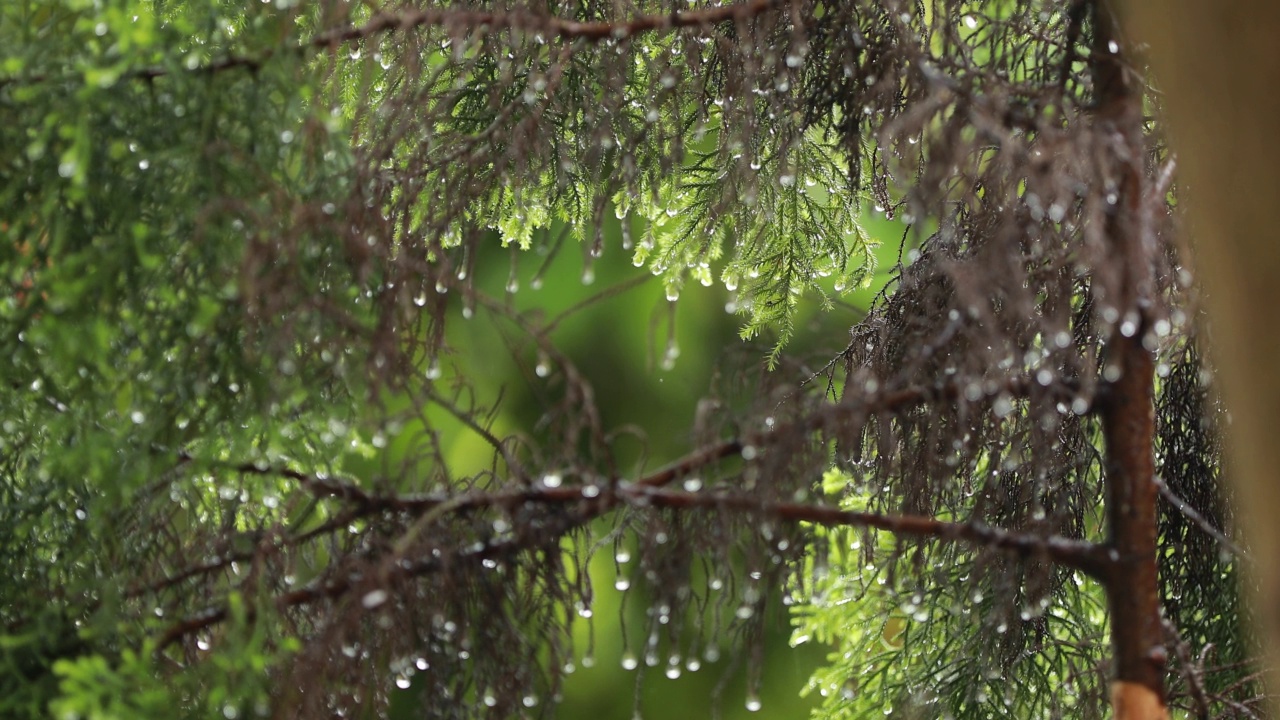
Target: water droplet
<point>403,682</point>
<point>373,598</point>
<point>669,358</point>
<point>693,484</point>
<point>529,700</point>
<point>1002,406</point>
<point>622,584</point>
<point>753,703</point>
<point>1111,372</point>
<point>552,480</point>
<point>629,661</point>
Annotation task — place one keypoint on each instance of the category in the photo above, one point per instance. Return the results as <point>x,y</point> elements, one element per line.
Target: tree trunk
<point>1127,404</point>
<point>1132,584</point>
<point>1219,67</point>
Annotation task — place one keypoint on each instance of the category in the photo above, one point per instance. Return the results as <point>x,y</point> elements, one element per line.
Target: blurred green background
<point>619,344</point>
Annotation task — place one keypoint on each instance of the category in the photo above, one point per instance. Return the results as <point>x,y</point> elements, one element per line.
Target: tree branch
<point>1087,557</point>
<point>1199,520</point>
<point>560,27</point>
<point>594,500</point>
<point>1082,555</point>
<point>474,21</point>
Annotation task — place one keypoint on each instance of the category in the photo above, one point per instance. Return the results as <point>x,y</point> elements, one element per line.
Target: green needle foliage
<point>238,239</point>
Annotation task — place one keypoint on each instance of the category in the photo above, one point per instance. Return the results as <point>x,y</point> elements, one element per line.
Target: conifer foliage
<point>233,238</point>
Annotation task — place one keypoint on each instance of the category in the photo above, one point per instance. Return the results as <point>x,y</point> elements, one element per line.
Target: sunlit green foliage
<point>908,649</point>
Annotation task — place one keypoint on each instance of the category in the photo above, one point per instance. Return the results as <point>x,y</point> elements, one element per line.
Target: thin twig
<point>1199,520</point>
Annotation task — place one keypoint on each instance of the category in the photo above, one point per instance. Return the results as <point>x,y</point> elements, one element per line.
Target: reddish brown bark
<point>1127,407</point>
<point>1131,580</point>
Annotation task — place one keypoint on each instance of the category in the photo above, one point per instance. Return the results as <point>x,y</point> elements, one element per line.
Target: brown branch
<point>1127,412</point>
<point>475,21</point>
<point>1198,520</point>
<point>595,500</point>
<point>1192,672</point>
<point>559,27</point>
<point>1082,555</point>
<point>889,400</point>
<point>320,486</point>
<point>690,463</point>
<point>513,464</point>
<point>326,589</point>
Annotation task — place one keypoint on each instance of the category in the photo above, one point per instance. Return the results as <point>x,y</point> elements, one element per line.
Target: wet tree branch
<point>1085,556</point>
<point>591,502</point>
<point>648,490</point>
<point>1198,520</point>
<point>472,21</point>
<point>559,27</point>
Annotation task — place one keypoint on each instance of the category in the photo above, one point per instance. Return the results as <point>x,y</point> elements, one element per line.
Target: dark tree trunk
<point>1127,404</point>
